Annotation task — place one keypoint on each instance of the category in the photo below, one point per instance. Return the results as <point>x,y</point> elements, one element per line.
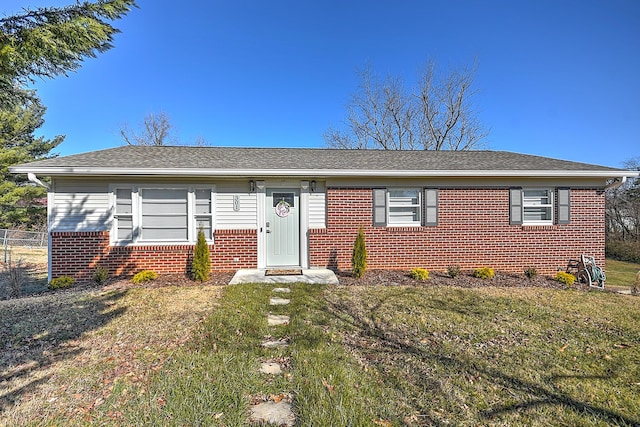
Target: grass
<point>621,273</point>
<point>378,355</point>
<point>66,353</point>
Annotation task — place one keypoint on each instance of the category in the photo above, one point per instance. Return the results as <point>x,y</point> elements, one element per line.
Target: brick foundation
<point>77,254</point>
<point>473,231</point>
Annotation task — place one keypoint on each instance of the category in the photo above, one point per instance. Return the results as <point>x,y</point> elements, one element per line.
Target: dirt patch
<point>215,278</point>
<point>464,280</point>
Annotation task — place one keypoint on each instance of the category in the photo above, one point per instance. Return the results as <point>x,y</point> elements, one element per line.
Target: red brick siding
<point>473,231</point>
<point>77,254</point>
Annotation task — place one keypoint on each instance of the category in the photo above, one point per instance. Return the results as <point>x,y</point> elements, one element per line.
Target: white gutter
<point>69,171</point>
<point>617,182</point>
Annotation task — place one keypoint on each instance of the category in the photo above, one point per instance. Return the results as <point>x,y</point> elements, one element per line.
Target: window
<point>535,206</point>
<point>123,214</point>
<point>152,214</point>
<point>403,207</point>
<point>203,214</point>
<point>164,215</point>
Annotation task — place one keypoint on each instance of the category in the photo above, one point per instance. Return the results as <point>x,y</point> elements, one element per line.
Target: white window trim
<point>136,213</point>
<point>551,206</point>
<point>418,206</point>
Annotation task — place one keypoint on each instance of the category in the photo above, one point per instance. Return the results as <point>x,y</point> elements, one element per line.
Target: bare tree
<point>438,114</point>
<point>623,208</point>
<point>155,130</point>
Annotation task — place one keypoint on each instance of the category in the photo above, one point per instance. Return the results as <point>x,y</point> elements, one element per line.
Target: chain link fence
<point>22,239</point>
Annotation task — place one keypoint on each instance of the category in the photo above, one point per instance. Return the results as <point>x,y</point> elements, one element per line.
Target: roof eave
<point>92,171</point>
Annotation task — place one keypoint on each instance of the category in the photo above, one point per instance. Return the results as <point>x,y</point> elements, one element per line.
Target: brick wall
<point>77,254</point>
<point>473,231</point>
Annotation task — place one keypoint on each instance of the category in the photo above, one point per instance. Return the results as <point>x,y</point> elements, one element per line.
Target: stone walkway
<point>276,409</point>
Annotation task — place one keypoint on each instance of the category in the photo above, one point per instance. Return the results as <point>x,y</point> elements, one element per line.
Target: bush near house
<point>359,258</point>
<point>484,273</point>
<point>144,276</point>
<point>566,278</point>
<point>420,274</point>
<point>201,265</point>
<point>61,282</point>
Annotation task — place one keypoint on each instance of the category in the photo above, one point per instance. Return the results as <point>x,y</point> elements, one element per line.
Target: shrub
<point>484,273</point>
<point>201,265</point>
<point>15,272</point>
<point>100,275</point>
<point>61,282</point>
<point>144,276</point>
<point>453,271</point>
<point>566,278</point>
<point>531,272</point>
<point>419,274</point>
<point>359,258</point>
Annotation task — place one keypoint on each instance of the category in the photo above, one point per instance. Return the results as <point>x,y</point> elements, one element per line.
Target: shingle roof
<point>177,160</point>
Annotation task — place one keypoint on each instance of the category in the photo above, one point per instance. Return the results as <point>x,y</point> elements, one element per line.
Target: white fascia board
<point>85,171</point>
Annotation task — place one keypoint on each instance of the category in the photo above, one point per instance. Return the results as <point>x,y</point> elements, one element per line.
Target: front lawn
<point>621,273</point>
<point>389,356</point>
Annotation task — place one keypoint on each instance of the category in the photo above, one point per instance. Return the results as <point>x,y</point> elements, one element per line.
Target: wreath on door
<point>283,209</point>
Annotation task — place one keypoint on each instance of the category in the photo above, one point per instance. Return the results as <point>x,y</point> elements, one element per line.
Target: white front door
<point>283,227</point>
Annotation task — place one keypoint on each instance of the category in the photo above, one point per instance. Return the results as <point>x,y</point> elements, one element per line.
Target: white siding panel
<point>80,206</point>
<point>229,219</point>
<point>317,210</point>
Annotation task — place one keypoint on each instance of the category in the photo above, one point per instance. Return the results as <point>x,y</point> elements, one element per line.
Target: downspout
<point>33,178</point>
<point>617,182</point>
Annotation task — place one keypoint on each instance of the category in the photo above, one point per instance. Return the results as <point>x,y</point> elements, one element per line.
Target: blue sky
<point>557,78</point>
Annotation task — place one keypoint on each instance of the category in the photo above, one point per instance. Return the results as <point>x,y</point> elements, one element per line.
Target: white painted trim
<point>69,171</point>
<point>304,224</point>
<point>261,222</point>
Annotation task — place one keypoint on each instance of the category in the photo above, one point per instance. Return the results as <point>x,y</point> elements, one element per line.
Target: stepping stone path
<point>275,320</point>
<point>278,410</point>
<point>279,301</point>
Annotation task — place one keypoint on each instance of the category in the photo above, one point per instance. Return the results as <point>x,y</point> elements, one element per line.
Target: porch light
<point>313,186</point>
<point>252,186</point>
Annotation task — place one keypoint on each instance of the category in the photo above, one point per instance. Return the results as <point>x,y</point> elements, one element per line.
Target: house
<point>135,207</point>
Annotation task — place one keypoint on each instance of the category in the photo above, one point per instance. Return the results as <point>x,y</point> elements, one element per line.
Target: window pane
<point>537,214</point>
<point>205,224</point>
<point>287,197</point>
<point>164,214</point>
<point>203,201</point>
<point>166,221</point>
<point>536,197</point>
<point>164,234</point>
<point>125,228</point>
<point>404,215</point>
<point>404,197</point>
<point>123,201</point>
